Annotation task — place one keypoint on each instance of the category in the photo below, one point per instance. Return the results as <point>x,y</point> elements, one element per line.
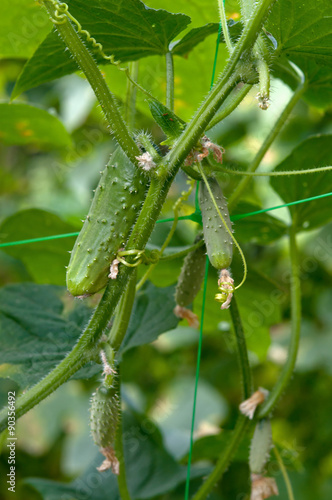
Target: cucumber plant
<point>114,245</point>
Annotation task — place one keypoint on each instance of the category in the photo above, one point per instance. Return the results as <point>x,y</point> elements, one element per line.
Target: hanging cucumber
<point>114,209</point>
<point>191,276</point>
<point>104,416</point>
<point>219,243</point>
<point>189,283</point>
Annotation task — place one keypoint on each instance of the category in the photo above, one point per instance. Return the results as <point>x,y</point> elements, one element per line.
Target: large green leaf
<point>45,260</point>
<point>152,315</point>
<point>151,471</point>
<point>126,28</point>
<point>302,30</point>
<point>23,26</point>
<point>36,332</point>
<point>314,152</point>
<point>25,124</point>
<point>197,35</point>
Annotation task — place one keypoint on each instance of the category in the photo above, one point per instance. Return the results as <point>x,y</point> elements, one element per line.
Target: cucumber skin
<point>261,444</point>
<point>219,244</point>
<point>191,277</point>
<point>113,212</point>
<point>104,415</point>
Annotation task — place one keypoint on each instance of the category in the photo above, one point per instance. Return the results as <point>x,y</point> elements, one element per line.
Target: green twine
<point>195,217</point>
<point>198,363</point>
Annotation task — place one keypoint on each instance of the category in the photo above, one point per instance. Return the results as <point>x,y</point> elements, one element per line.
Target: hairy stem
<point>121,322</point>
<point>223,21</point>
<point>241,425</point>
<point>230,104</point>
<point>295,294</point>
<point>130,106</point>
<point>242,422</point>
<point>247,381</point>
<point>86,349</point>
<point>119,452</point>
<point>92,73</point>
<point>169,81</point>
<point>236,195</point>
<point>231,75</point>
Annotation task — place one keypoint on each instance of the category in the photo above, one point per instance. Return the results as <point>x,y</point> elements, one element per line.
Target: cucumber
<point>261,444</point>
<point>219,244</point>
<point>104,415</point>
<point>114,209</point>
<point>191,276</point>
<point>169,122</point>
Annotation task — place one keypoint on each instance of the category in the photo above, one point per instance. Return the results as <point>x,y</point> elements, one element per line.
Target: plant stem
<point>223,20</point>
<point>247,381</point>
<point>231,103</point>
<point>295,294</point>
<point>121,322</point>
<point>231,75</point>
<point>241,425</point>
<point>284,474</point>
<point>86,348</point>
<point>235,196</point>
<point>182,253</point>
<point>242,422</point>
<point>169,81</point>
<point>119,452</point>
<point>130,106</point>
<point>92,73</point>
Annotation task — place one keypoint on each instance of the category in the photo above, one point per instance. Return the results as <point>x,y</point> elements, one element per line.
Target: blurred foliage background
<point>46,179</point>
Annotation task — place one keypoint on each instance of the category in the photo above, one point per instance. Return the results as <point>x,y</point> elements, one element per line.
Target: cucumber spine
<point>219,243</point>
<point>113,212</point>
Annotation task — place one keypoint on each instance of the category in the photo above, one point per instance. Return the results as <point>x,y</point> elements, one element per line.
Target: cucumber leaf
<point>22,124</point>
<point>311,153</point>
<point>127,29</point>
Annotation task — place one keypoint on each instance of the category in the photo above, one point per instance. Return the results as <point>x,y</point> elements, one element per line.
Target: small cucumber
<point>104,415</point>
<point>218,241</point>
<point>169,122</point>
<point>191,276</point>
<point>114,209</point>
<point>261,444</point>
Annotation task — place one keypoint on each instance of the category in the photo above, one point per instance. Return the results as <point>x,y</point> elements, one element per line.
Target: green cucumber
<point>104,416</point>
<point>261,444</point>
<point>169,122</point>
<point>191,276</point>
<point>113,212</point>
<point>219,243</point>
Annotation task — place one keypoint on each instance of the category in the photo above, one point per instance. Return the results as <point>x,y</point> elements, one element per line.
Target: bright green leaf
<point>23,26</point>
<point>302,30</point>
<point>45,260</point>
<point>22,124</point>
<point>152,315</point>
<point>126,29</point>
<point>314,152</point>
<point>198,35</point>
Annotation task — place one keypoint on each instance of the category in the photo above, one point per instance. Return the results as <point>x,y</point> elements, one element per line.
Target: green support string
<point>198,363</point>
<point>195,217</point>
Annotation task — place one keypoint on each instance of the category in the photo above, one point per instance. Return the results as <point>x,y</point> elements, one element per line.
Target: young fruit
<point>261,444</point>
<point>114,209</point>
<point>104,418</point>
<point>104,413</point>
<point>191,276</point>
<point>219,244</point>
